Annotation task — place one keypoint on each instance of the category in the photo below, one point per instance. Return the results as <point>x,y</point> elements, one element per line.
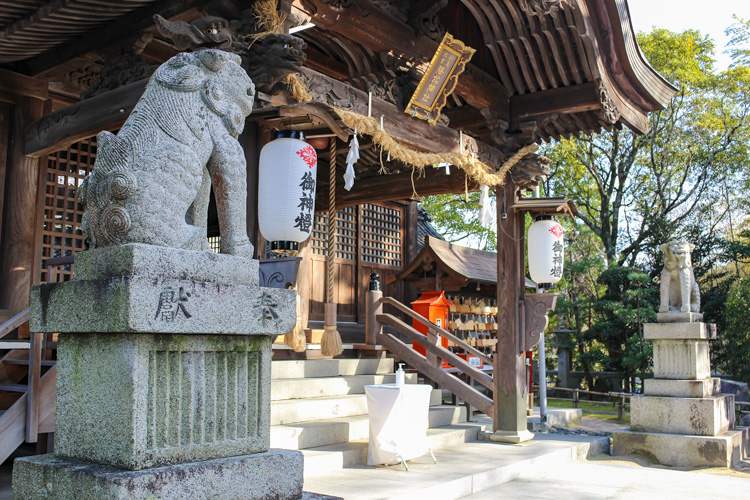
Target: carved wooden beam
<point>374,28</point>
<point>536,308</point>
<point>83,119</point>
<point>415,133</point>
<point>109,110</point>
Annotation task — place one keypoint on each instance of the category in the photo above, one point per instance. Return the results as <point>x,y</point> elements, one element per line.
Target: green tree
<point>456,217</point>
<point>733,345</point>
<point>636,191</point>
<point>630,300</point>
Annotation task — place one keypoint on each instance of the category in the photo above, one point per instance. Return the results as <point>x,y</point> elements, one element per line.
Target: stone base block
<point>724,450</point>
<point>679,331</point>
<point>681,359</point>
<point>682,388</point>
<point>512,437</point>
<point>709,416</point>
<point>150,261</point>
<point>137,304</point>
<point>679,317</point>
<point>276,474</point>
<point>141,400</point>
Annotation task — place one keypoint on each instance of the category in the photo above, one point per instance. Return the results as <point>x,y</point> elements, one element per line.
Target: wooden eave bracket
<point>536,309</point>
<point>558,205</point>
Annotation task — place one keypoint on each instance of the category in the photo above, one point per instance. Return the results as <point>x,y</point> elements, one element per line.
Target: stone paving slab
<point>584,480</point>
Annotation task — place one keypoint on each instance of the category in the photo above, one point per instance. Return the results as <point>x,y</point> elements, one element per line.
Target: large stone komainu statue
<point>151,182</point>
<point>679,291</point>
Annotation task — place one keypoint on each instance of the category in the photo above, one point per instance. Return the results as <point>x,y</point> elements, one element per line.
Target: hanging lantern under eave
<point>545,250</point>
<point>286,190</point>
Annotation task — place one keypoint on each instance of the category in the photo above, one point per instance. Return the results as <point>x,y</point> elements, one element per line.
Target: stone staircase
<point>319,407</point>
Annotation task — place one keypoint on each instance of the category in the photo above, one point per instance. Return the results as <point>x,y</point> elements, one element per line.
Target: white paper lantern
<point>546,251</point>
<point>286,189</point>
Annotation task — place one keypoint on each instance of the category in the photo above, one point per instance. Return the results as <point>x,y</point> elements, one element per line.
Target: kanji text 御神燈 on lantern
<point>545,250</point>
<point>286,190</point>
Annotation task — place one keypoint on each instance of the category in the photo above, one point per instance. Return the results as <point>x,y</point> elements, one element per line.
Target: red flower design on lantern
<point>308,155</point>
<point>557,230</point>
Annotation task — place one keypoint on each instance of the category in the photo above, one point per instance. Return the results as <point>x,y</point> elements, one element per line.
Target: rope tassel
<point>296,338</point>
<point>330,345</point>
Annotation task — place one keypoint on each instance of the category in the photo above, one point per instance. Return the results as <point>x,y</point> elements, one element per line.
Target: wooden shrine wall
<point>369,238</point>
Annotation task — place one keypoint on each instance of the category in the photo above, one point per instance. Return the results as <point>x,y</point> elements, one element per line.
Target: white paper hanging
<point>485,211</point>
<point>351,159</point>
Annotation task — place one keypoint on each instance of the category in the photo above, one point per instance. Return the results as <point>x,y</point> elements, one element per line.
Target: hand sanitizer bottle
<point>400,374</point>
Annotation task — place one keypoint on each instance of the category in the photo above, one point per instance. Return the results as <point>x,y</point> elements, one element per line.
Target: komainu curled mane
<point>151,182</point>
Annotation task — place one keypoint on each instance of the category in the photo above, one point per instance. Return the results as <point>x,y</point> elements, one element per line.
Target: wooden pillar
<point>22,177</point>
<point>304,285</point>
<point>509,419</point>
<point>373,307</point>
<point>252,140</point>
<point>411,249</point>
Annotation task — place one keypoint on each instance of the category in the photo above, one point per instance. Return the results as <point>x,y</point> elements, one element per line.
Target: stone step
<point>326,459</point>
<point>291,411</point>
<point>315,368</point>
<point>463,469</point>
<point>341,430</point>
<point>299,388</point>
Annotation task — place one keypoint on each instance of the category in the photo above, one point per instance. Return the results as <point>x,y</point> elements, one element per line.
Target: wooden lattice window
<point>381,235</point>
<point>61,217</point>
<point>346,234</point>
<point>214,242</point>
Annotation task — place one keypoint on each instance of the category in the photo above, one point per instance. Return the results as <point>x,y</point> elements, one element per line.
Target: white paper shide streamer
<point>351,159</point>
<point>485,212</point>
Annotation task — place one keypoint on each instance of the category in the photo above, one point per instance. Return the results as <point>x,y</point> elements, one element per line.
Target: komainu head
<point>224,85</point>
<point>677,254</point>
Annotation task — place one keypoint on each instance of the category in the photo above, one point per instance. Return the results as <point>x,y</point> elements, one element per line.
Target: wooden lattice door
<point>59,213</point>
<point>369,238</point>
<point>382,249</point>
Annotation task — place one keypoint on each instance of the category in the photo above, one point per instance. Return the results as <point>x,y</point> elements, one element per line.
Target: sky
<point>709,17</point>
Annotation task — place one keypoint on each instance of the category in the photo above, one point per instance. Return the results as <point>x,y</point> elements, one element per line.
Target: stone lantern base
<point>682,419</point>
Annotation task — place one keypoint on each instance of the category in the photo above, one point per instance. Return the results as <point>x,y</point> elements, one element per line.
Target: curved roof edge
<point>624,61</point>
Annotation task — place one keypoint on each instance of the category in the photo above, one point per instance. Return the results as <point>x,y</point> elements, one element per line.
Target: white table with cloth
<point>398,422</point>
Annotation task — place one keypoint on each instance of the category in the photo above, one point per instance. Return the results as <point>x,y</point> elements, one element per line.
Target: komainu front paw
<point>241,248</point>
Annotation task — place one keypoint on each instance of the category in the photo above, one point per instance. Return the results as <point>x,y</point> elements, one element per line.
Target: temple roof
<point>543,69</point>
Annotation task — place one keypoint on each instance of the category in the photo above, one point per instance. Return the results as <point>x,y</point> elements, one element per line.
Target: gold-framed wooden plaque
<point>440,79</point>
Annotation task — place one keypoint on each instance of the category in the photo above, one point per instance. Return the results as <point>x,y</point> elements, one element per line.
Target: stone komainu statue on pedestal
<point>679,291</point>
<point>151,182</point>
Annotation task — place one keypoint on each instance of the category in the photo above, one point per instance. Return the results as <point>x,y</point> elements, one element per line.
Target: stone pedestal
<point>682,419</point>
<point>163,380</point>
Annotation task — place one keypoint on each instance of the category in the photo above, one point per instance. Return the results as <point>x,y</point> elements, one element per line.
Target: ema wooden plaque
<point>440,79</point>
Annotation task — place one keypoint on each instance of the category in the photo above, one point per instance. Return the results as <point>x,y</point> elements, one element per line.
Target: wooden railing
<point>33,413</point>
<point>618,398</point>
<point>430,364</point>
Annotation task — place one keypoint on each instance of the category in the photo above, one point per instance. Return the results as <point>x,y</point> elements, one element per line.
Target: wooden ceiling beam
<point>377,30</point>
<point>395,187</point>
<point>563,100</point>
